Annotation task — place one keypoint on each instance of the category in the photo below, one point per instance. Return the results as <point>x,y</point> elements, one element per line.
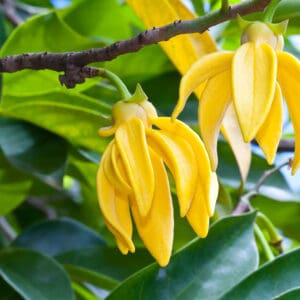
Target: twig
<point>7,230</point>
<point>73,64</point>
<point>243,205</point>
<point>10,13</point>
<point>49,212</point>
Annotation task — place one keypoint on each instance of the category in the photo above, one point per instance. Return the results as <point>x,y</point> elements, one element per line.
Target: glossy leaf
<point>56,236</point>
<point>14,186</point>
<point>33,150</point>
<point>270,281</point>
<point>34,276</point>
<point>75,117</point>
<point>202,270</point>
<point>289,295</point>
<point>107,261</point>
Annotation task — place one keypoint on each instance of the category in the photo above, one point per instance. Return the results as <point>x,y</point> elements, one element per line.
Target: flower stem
<point>270,10</point>
<point>119,84</point>
<point>275,238</point>
<point>263,242</point>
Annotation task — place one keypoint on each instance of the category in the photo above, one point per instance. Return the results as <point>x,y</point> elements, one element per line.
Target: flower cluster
<point>254,78</point>
<point>132,177</point>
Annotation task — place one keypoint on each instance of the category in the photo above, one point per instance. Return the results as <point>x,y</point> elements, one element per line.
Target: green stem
<point>275,238</point>
<point>225,6</point>
<point>119,84</point>
<point>270,10</point>
<point>83,292</point>
<point>263,242</point>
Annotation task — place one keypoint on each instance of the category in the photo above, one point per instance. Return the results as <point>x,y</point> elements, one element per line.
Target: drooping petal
<point>214,192</point>
<point>179,49</point>
<point>180,129</point>
<point>269,134</point>
<point>197,215</point>
<point>132,146</point>
<point>254,72</point>
<point>203,69</point>
<point>212,107</point>
<point>115,209</point>
<point>241,150</point>
<point>156,229</point>
<point>180,159</point>
<point>289,80</point>
<point>111,164</point>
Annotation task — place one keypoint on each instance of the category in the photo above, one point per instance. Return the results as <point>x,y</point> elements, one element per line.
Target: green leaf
<point>98,19</point>
<point>86,276</point>
<point>283,214</point>
<point>271,280</point>
<point>56,236</point>
<point>33,150</point>
<point>290,295</point>
<point>38,34</point>
<point>107,261</point>
<point>13,188</point>
<point>34,276</point>
<point>75,117</point>
<point>205,269</point>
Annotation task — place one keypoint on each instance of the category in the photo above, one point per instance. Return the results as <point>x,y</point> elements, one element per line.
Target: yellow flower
<point>132,177</point>
<point>253,78</point>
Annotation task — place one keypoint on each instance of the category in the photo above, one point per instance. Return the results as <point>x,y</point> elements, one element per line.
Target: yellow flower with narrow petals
<point>253,78</point>
<point>132,177</point>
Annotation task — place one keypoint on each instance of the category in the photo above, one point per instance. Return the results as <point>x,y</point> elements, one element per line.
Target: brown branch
<point>73,64</point>
<point>10,13</point>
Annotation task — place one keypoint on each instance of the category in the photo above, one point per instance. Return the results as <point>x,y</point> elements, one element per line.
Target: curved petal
<point>197,215</point>
<point>180,129</point>
<point>180,159</point>
<point>212,107</point>
<point>253,78</point>
<point>289,79</point>
<point>269,134</point>
<point>203,69</point>
<point>241,150</point>
<point>115,208</point>
<point>131,143</point>
<point>214,192</point>
<point>111,164</point>
<point>156,229</point>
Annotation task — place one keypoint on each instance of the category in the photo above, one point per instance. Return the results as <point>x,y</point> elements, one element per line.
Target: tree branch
<point>73,64</point>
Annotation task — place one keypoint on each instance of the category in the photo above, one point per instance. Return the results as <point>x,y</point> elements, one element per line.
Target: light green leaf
<point>205,269</point>
<point>75,117</point>
<point>271,280</point>
<point>34,276</point>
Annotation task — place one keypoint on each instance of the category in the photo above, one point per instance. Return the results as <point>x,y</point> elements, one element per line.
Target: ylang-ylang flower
<point>254,78</point>
<point>132,181</point>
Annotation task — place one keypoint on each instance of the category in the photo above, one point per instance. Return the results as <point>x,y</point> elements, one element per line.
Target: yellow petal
<point>289,79</point>
<point>214,192</point>
<point>253,78</point>
<point>156,229</point>
<point>180,49</point>
<point>241,150</point>
<point>112,164</point>
<point>115,208</point>
<point>205,68</point>
<point>269,134</point>
<point>131,143</point>
<point>197,215</point>
<point>213,105</point>
<point>180,159</point>
<point>182,130</point>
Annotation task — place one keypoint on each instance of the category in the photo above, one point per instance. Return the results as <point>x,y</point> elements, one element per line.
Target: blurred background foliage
<point>53,243</point>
